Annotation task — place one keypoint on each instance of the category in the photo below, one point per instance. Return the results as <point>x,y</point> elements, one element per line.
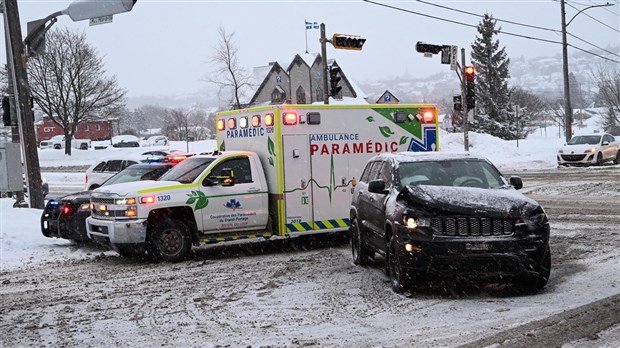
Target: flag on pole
<point>312,25</point>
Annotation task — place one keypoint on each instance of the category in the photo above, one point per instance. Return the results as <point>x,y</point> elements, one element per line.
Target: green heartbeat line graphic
<point>332,182</point>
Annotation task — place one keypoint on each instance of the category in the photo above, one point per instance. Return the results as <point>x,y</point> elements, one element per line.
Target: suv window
<point>366,173</point>
<point>114,166</point>
<point>99,167</point>
<point>127,163</point>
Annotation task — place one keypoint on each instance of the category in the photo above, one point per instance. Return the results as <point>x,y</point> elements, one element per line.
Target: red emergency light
<point>269,120</point>
<point>220,125</point>
<point>428,116</point>
<point>290,118</point>
<point>232,123</point>
<point>256,121</point>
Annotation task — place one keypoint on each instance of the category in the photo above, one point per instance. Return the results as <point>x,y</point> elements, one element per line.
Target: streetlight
<point>568,111</point>
<point>16,58</point>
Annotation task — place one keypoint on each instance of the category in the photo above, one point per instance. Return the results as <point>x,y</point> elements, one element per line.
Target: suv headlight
<point>536,218</point>
<point>590,150</point>
<point>412,221</point>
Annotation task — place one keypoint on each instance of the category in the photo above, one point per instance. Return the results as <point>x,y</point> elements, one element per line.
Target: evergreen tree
<point>493,112</point>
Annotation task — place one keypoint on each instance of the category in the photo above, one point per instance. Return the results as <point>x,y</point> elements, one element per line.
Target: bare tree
<point>532,111</point>
<point>69,85</point>
<point>608,83</point>
<point>228,75</point>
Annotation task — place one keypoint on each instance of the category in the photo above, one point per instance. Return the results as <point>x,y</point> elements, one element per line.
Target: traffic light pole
<point>464,98</point>
<point>16,59</point>
<point>324,59</point>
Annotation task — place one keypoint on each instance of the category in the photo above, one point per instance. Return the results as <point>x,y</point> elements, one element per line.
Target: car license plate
<point>477,246</point>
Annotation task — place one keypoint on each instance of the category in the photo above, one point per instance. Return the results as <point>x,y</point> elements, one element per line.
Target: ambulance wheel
<point>361,253</point>
<point>169,241</point>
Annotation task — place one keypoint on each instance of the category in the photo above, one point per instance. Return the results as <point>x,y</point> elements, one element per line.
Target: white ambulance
<point>280,170</point>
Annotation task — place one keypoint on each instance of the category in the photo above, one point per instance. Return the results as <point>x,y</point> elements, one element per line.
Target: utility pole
<point>464,99</point>
<point>324,59</point>
<point>568,111</point>
<point>16,59</point>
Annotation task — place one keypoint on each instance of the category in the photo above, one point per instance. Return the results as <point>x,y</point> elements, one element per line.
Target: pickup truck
<point>206,198</point>
<point>58,142</point>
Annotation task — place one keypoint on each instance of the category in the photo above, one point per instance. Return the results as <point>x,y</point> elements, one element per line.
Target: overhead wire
<point>517,23</point>
<point>502,31</point>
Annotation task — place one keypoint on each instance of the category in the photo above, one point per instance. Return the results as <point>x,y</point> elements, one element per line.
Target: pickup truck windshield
<point>188,170</point>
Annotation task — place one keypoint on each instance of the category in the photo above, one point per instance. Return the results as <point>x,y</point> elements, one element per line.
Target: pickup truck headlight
<point>125,201</point>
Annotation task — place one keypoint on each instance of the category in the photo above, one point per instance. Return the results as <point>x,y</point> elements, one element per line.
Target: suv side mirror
<point>377,186</point>
<point>516,182</point>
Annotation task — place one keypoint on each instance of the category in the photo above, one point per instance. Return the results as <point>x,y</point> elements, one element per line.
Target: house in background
<point>94,130</point>
<point>301,82</point>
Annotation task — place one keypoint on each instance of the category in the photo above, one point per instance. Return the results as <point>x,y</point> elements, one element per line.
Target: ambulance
<point>279,170</point>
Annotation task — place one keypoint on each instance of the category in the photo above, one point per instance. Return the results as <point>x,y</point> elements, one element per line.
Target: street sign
<point>100,20</point>
<point>453,57</point>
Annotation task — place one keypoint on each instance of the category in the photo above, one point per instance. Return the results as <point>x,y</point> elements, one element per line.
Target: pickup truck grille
<point>471,227</point>
<point>104,208</point>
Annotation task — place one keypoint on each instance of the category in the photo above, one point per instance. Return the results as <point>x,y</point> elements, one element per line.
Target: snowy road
<point>306,292</point>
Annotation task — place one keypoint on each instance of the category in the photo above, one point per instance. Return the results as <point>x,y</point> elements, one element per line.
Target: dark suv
<point>448,215</point>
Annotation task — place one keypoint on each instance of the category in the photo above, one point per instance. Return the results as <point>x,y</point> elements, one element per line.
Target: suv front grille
<point>471,227</point>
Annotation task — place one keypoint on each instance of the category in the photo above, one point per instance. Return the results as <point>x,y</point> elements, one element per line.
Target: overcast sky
<point>163,46</point>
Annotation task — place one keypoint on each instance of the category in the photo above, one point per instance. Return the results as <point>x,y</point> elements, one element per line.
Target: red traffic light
<point>469,72</point>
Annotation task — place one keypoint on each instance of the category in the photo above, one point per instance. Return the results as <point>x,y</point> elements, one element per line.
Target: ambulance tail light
<point>220,125</point>
<point>290,118</point>
<point>428,116</point>
<point>269,120</point>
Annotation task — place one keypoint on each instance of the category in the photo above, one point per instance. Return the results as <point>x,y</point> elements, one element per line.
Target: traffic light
<point>457,102</point>
<point>348,42</point>
<point>6,111</point>
<point>427,48</point>
<point>334,80</point>
<point>470,87</point>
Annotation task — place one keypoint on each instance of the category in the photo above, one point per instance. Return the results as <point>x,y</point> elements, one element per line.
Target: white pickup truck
<point>58,142</point>
<point>280,171</point>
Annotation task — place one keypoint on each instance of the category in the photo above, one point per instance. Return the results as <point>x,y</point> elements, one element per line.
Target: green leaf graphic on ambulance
<point>271,161</point>
<point>271,146</point>
<point>403,140</point>
<point>386,131</point>
<point>370,119</point>
<point>222,146</point>
<point>199,198</point>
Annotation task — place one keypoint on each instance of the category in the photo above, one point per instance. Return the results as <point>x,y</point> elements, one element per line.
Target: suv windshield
<point>188,170</point>
<point>465,172</point>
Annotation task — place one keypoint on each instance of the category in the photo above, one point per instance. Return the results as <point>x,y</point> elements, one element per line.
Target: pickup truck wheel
<point>361,253</point>
<point>57,147</point>
<point>169,241</point>
<point>397,277</point>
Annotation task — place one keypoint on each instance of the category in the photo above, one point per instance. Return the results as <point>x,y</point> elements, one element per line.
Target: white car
<point>590,149</point>
<point>156,140</point>
<point>104,169</point>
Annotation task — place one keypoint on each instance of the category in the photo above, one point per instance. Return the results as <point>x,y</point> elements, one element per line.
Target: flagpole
<point>305,23</point>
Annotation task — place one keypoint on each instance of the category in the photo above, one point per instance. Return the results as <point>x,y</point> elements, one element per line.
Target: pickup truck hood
<point>470,200</point>
<point>135,186</point>
<point>577,149</point>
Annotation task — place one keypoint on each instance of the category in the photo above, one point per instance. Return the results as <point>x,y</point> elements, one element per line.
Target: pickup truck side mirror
<point>516,182</point>
<point>377,186</point>
<point>226,178</point>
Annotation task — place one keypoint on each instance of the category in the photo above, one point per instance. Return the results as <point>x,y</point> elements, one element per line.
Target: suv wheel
<point>617,159</point>
<point>531,285</point>
<point>397,278</point>
<point>361,253</point>
<point>170,241</point>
